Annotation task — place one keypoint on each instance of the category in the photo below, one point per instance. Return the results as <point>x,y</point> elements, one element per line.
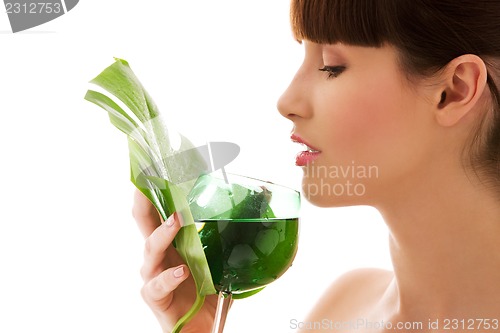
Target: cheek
<point>367,121</point>
<point>372,130</point>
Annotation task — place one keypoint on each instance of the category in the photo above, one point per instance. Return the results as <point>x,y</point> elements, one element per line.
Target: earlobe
<point>463,86</point>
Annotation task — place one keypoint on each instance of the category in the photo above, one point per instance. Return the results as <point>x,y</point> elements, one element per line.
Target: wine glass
<point>249,231</point>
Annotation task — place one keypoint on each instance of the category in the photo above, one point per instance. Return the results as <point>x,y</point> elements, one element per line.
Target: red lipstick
<point>307,156</point>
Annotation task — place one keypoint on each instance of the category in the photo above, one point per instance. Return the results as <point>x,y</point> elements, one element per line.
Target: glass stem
<point>221,313</point>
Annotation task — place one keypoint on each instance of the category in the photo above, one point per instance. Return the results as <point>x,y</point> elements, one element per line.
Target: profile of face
<point>388,105</point>
<point>372,133</point>
<point>371,127</point>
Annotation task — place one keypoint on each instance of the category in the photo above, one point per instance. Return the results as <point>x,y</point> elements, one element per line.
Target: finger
<point>145,214</point>
<point>157,293</point>
<point>156,246</point>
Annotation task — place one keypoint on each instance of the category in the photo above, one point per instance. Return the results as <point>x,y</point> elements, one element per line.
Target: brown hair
<point>428,35</point>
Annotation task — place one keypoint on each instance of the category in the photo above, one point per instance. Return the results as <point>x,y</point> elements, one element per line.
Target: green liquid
<point>248,254</point>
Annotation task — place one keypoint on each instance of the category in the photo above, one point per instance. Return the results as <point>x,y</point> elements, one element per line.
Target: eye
<point>333,71</point>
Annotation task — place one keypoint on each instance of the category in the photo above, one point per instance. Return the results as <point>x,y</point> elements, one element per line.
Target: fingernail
<point>179,272</point>
<point>170,221</point>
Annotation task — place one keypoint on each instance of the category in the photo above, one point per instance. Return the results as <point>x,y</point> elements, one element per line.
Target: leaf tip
<point>122,61</point>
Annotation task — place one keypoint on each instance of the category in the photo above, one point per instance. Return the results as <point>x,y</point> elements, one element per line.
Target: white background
<point>70,251</point>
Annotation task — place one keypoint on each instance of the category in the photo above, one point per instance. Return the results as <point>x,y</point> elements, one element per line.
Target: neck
<point>445,248</point>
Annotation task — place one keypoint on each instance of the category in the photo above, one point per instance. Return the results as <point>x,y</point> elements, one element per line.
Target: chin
<point>323,194</point>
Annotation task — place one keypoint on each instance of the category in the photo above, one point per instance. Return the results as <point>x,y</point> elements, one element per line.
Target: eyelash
<point>333,71</point>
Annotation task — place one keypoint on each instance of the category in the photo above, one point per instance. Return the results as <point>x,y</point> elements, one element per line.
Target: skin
<point>168,289</point>
<point>444,225</point>
<point>443,222</point>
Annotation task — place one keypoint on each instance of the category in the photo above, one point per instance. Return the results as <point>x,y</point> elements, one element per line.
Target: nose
<point>294,103</point>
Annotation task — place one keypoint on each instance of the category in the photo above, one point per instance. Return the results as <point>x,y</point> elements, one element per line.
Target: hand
<point>169,288</point>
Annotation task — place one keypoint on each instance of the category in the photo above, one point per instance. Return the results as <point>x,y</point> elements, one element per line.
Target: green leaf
<point>188,243</point>
<point>119,118</point>
<point>254,206</point>
<point>234,201</point>
<point>157,169</point>
<point>247,293</point>
<point>130,91</point>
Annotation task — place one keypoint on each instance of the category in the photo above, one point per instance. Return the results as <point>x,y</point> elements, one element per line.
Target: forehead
<point>354,53</point>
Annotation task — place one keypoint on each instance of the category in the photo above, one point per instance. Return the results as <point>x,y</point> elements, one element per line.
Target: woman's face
<point>369,129</point>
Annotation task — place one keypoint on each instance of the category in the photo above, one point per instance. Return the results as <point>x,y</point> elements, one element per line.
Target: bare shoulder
<point>352,294</point>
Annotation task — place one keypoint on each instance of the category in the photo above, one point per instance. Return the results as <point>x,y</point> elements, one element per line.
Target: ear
<point>462,88</point>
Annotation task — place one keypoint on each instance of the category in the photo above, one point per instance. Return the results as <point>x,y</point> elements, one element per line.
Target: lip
<point>305,157</point>
<point>298,139</point>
